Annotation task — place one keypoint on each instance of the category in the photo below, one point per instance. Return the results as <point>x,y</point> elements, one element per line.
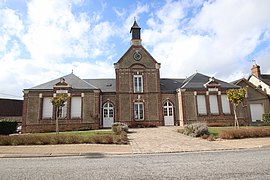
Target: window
<point>225,104</point>
<point>138,111</point>
<point>138,83</point>
<point>213,104</point>
<point>47,108</point>
<point>76,104</point>
<point>201,104</point>
<point>168,109</point>
<point>62,111</point>
<point>108,111</point>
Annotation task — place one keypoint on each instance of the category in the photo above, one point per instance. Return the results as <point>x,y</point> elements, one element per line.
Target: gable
<point>69,80</point>
<point>144,59</point>
<point>253,91</point>
<point>201,81</point>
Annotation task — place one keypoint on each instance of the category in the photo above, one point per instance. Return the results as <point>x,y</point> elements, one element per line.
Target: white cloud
<point>212,37</point>
<point>57,41</point>
<point>216,41</point>
<point>10,25</point>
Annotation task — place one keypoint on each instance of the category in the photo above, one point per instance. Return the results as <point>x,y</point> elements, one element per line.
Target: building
<point>11,109</point>
<point>256,102</point>
<point>261,81</point>
<point>137,96</point>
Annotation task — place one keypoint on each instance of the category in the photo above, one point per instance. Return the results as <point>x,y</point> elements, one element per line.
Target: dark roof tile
<point>74,81</point>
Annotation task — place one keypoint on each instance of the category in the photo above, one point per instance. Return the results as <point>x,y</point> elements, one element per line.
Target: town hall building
<point>137,97</point>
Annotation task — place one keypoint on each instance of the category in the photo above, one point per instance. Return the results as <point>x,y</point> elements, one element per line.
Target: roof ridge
<point>188,79</point>
<point>81,80</point>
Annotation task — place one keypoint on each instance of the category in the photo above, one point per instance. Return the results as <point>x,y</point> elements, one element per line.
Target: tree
<point>236,97</point>
<point>58,101</point>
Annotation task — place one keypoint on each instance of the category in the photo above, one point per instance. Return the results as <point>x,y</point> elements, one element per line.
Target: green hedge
<point>240,133</point>
<point>8,127</point>
<point>266,118</point>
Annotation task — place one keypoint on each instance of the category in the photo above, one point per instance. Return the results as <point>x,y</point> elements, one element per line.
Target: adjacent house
<point>256,102</point>
<point>11,109</point>
<point>261,81</point>
<point>137,97</point>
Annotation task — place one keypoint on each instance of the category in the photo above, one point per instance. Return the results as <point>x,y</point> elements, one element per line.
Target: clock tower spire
<point>136,34</point>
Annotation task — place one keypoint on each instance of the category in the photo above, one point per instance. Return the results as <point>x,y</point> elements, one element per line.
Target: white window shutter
<point>201,104</point>
<point>47,108</point>
<point>225,104</point>
<point>76,104</point>
<point>213,104</point>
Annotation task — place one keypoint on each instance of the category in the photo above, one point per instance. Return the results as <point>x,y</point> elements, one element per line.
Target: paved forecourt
<point>142,140</point>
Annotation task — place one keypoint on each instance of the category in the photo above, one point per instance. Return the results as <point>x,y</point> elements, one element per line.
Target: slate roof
<point>170,85</point>
<point>135,26</point>
<point>105,85</point>
<point>265,78</point>
<point>197,81</point>
<point>74,81</point>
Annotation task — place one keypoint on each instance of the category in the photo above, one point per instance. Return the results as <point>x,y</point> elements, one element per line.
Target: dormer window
<point>138,83</point>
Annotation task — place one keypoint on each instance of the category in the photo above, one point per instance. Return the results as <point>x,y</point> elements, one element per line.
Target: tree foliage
<point>236,96</point>
<point>59,100</point>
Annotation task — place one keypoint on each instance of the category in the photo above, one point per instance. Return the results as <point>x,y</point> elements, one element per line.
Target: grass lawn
<point>80,133</point>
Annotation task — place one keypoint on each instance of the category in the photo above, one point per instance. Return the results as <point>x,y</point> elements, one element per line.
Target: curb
<point>102,155</point>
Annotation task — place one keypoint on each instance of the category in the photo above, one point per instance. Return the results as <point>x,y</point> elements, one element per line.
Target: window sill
<point>203,114</point>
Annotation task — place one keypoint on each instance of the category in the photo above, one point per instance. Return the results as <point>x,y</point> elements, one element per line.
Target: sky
<point>45,40</point>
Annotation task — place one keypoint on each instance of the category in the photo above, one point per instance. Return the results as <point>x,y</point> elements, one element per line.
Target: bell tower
<point>136,34</point>
<point>138,96</point>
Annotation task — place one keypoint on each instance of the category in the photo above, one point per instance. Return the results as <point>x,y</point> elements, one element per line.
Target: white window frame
<point>76,107</point>
<point>138,111</point>
<point>226,109</point>
<point>62,111</point>
<point>213,101</point>
<point>47,108</point>
<point>138,83</point>
<point>201,105</point>
<point>108,110</point>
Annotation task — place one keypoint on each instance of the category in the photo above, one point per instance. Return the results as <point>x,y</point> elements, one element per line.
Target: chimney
<point>255,70</point>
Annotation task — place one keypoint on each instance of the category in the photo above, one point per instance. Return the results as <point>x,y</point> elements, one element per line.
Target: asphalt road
<point>242,164</point>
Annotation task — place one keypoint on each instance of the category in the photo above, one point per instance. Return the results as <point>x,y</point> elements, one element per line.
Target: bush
<point>33,139</point>
<point>8,127</point>
<point>120,138</point>
<point>244,133</point>
<point>117,127</point>
<point>266,118</point>
<point>196,129</point>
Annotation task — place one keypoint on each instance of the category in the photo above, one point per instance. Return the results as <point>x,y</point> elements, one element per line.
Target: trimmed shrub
<point>8,127</point>
<point>266,118</point>
<point>244,133</point>
<point>120,138</point>
<point>117,127</point>
<point>196,129</point>
<point>32,139</point>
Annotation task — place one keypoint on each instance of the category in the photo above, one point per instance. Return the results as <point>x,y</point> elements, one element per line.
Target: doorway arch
<point>108,114</point>
<point>168,113</point>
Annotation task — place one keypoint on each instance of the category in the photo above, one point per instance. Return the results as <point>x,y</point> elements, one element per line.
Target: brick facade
<point>137,97</point>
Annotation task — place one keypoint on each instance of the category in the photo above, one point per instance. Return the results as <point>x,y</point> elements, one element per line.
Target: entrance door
<point>256,111</point>
<point>108,114</point>
<point>168,114</point>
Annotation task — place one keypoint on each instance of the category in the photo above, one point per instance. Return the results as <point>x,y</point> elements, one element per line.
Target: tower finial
<point>136,34</point>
